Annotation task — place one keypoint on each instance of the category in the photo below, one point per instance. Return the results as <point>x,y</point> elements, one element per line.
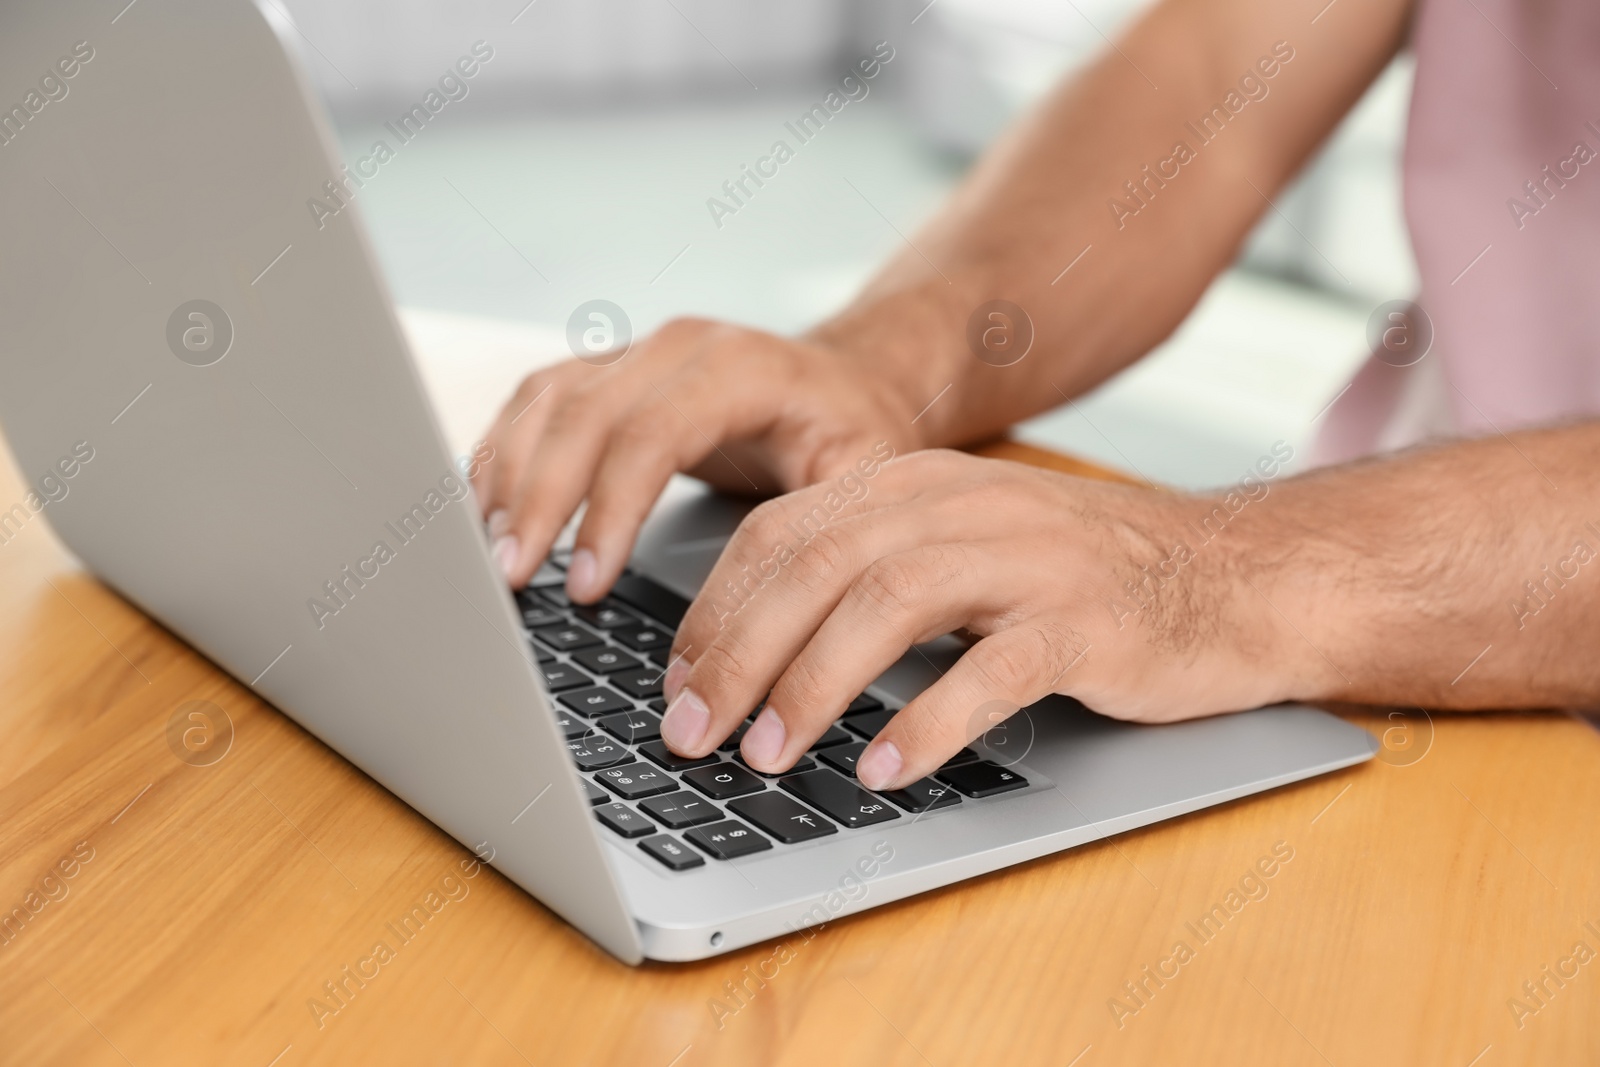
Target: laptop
<point>221,371</point>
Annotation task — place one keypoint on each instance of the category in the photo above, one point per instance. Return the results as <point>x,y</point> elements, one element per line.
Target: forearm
<point>1466,576</point>
<point>1045,194</point>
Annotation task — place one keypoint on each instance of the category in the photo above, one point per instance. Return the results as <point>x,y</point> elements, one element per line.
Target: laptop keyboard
<point>603,664</point>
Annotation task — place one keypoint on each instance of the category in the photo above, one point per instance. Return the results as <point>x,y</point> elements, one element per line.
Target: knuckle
<point>803,687</point>
<point>644,431</point>
<point>578,411</point>
<point>919,467</point>
<point>895,586</point>
<point>935,459</point>
<point>530,522</point>
<point>827,558</point>
<point>1059,647</point>
<point>1004,666</point>
<point>720,668</point>
<point>1026,660</point>
<point>764,519</point>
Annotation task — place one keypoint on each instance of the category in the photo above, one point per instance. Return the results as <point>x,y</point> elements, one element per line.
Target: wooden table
<point>208,905</point>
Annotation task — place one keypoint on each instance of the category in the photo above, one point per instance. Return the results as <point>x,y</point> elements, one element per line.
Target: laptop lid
<point>253,461</point>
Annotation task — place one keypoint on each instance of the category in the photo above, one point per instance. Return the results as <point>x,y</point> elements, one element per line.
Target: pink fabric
<point>1504,89</point>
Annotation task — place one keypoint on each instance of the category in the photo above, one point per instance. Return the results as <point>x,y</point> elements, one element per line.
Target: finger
<point>775,533</point>
<point>554,480</point>
<point>643,453</point>
<point>512,437</point>
<point>559,468</point>
<point>760,636</point>
<point>677,424</point>
<point>753,628</point>
<point>899,600</point>
<point>1016,667</point>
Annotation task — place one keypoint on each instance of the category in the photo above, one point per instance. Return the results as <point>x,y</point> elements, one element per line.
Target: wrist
<point>1281,605</point>
<point>912,343</point>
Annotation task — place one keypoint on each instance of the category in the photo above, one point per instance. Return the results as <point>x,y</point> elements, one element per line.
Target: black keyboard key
<point>556,594</point>
<point>723,781</point>
<point>567,637</point>
<point>840,799</point>
<point>683,808</point>
<point>732,743</point>
<point>965,756</point>
<point>804,763</point>
<point>631,727</point>
<point>670,850</point>
<point>596,701</point>
<point>549,573</point>
<point>864,702</point>
<point>570,725</point>
<point>727,840</point>
<point>595,794</point>
<point>652,598</point>
<point>636,780</point>
<point>541,654</point>
<point>624,820</point>
<point>869,724</point>
<point>606,615</point>
<point>784,819</point>
<point>536,613</point>
<point>842,758</point>
<point>559,677</point>
<point>982,779</point>
<point>530,600</point>
<point>658,705</point>
<point>640,684</point>
<point>595,751</point>
<point>606,660</point>
<point>645,639</point>
<point>922,795</point>
<point>832,736</point>
<point>658,753</point>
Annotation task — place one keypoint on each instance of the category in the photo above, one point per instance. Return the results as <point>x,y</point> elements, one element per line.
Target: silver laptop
<point>206,383</point>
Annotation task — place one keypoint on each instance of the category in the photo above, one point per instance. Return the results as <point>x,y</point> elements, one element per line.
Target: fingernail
<point>677,671</point>
<point>878,765</point>
<point>506,551</point>
<point>763,742</point>
<point>581,572</point>
<point>684,726</point>
<point>499,523</point>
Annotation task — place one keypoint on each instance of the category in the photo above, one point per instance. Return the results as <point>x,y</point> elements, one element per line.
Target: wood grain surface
<point>159,910</point>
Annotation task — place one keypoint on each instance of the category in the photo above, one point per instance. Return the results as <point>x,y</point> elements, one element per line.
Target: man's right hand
<point>747,411</point>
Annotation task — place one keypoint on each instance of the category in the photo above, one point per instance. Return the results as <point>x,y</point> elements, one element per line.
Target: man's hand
<point>817,594</point>
<point>1455,577</point>
<point>746,411</point>
<point>751,412</point>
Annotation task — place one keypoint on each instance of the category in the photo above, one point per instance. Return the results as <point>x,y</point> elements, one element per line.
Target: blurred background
<point>579,165</point>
